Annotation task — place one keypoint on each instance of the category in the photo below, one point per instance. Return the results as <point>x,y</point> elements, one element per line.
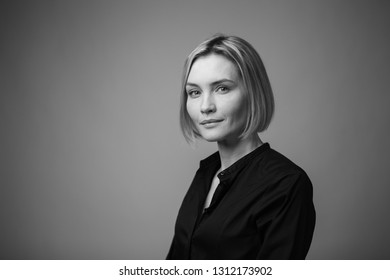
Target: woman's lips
<point>210,121</point>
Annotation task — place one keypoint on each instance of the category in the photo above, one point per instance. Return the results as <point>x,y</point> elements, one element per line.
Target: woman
<point>247,201</point>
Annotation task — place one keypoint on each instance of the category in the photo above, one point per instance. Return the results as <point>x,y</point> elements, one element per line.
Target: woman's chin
<point>211,138</point>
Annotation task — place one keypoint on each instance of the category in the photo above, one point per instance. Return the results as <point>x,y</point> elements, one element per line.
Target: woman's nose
<point>207,105</point>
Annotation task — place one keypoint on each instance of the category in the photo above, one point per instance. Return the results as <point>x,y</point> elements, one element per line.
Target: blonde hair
<point>259,96</point>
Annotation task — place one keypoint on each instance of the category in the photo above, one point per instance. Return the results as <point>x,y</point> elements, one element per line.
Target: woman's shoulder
<point>278,176</point>
<point>274,161</point>
<point>274,168</point>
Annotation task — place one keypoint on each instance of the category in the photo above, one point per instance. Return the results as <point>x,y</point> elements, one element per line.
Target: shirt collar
<point>229,173</point>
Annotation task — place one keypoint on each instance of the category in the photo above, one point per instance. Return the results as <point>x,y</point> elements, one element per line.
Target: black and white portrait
<point>101,142</point>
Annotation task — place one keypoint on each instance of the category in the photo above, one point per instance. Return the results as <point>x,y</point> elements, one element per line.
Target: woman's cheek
<point>191,110</point>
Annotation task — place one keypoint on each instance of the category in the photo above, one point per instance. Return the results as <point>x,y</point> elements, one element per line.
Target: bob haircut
<point>254,78</point>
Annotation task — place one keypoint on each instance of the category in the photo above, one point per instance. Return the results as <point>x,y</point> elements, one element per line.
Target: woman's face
<point>216,101</point>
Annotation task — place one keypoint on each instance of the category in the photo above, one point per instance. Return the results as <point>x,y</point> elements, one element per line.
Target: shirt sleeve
<point>286,219</point>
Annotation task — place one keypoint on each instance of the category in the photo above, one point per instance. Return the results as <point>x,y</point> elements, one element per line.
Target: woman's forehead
<point>207,69</point>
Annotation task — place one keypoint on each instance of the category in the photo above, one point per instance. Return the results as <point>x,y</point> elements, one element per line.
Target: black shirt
<point>262,209</point>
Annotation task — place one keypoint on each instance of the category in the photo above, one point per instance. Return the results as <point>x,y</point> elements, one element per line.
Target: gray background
<point>92,162</point>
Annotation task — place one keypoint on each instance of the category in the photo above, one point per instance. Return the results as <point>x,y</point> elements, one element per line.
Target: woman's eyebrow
<point>213,83</point>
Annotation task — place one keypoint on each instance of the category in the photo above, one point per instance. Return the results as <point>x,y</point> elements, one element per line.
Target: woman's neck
<point>231,152</point>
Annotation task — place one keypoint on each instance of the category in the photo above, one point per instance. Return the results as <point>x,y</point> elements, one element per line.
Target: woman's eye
<point>193,93</point>
<point>222,89</point>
